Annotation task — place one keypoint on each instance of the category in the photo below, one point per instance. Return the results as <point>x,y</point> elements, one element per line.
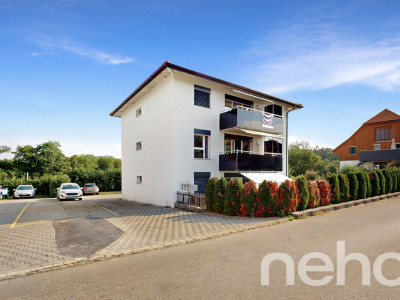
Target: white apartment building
<point>183,127</point>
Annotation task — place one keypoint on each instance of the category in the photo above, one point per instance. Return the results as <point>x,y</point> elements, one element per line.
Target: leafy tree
<point>4,149</point>
<point>105,162</point>
<point>302,159</point>
<point>49,158</point>
<point>25,159</point>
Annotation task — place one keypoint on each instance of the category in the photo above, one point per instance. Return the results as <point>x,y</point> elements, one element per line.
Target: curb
<point>332,207</point>
<point>87,260</point>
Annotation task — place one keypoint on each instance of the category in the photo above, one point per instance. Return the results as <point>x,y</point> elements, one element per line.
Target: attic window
<point>202,96</point>
<point>383,134</point>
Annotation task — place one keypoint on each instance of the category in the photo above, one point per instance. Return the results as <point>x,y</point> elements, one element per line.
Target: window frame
<point>205,146</point>
<point>138,112</point>
<point>139,179</point>
<point>202,90</point>
<point>355,150</point>
<point>138,146</point>
<point>383,128</point>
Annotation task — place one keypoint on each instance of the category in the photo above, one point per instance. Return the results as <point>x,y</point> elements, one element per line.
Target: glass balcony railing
<point>250,119</point>
<point>246,161</point>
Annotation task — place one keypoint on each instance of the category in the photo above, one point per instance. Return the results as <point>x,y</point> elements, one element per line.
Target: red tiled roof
<point>384,116</point>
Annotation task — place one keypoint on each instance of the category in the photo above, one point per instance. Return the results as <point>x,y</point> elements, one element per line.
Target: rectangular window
<point>138,146</point>
<point>272,146</point>
<point>274,109</point>
<point>138,179</point>
<point>383,134</point>
<point>138,112</point>
<point>201,146</point>
<point>353,150</point>
<point>202,96</point>
<point>377,146</point>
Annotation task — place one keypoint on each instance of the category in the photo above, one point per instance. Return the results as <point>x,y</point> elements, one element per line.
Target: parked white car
<point>24,191</point>
<point>69,191</point>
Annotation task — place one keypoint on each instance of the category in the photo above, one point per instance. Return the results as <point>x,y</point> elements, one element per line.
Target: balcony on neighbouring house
<point>246,161</point>
<point>241,118</point>
<point>380,155</point>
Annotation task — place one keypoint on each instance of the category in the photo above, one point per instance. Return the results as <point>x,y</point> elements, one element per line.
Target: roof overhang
<point>167,65</point>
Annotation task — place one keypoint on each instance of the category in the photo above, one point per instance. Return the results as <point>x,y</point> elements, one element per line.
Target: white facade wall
<point>154,128</point>
<point>166,130</point>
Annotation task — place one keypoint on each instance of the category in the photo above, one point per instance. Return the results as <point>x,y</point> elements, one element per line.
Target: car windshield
<point>90,184</point>
<point>70,187</point>
<point>25,187</point>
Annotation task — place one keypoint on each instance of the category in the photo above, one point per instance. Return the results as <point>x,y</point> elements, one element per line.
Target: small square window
<point>138,146</point>
<point>377,146</point>
<point>201,96</point>
<point>353,150</point>
<point>138,179</point>
<point>138,112</point>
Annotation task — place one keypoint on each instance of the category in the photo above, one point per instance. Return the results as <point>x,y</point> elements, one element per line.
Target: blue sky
<point>65,65</point>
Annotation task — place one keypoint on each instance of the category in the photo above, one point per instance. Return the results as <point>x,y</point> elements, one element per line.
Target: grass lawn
<point>110,193</point>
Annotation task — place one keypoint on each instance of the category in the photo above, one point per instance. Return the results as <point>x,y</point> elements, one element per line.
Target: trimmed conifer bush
<point>375,183</point>
<point>335,189</point>
<point>362,185</point>
<point>218,195</point>
<point>268,202</point>
<point>394,180</point>
<point>382,182</point>
<point>287,195</point>
<point>353,186</point>
<point>233,192</point>
<point>368,181</point>
<point>303,193</point>
<point>249,199</point>
<point>210,193</point>
<point>343,188</point>
<point>389,181</point>
<point>325,192</point>
<point>315,197</point>
<point>398,179</point>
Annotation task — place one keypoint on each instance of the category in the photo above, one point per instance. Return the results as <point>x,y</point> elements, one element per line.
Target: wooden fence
<point>198,200</point>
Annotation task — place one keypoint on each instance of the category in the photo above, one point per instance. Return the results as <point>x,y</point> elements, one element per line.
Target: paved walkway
<point>45,233</point>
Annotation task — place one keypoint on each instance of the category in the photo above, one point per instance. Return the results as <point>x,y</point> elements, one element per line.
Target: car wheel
<point>80,199</point>
<point>97,193</point>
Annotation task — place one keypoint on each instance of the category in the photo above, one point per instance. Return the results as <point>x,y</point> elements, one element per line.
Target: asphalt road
<point>229,266</point>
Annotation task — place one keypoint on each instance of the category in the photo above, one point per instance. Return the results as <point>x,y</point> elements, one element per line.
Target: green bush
<point>397,171</point>
<point>106,180</point>
<point>394,180</point>
<point>344,188</point>
<point>369,187</point>
<point>303,196</point>
<point>218,195</point>
<point>382,182</point>
<point>362,185</point>
<point>389,181</point>
<point>210,193</point>
<point>353,186</point>
<point>268,202</point>
<point>55,183</point>
<point>315,197</point>
<point>375,183</point>
<point>233,192</point>
<point>287,195</point>
<point>335,188</point>
<point>311,175</point>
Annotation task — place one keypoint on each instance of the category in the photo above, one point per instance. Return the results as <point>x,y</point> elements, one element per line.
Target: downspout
<point>287,140</point>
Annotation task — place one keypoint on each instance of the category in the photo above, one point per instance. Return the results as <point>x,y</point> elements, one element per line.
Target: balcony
<point>380,155</point>
<point>248,119</point>
<point>238,161</point>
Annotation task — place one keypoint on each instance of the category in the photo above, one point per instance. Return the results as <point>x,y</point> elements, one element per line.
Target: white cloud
<point>35,54</point>
<point>312,56</point>
<point>67,45</point>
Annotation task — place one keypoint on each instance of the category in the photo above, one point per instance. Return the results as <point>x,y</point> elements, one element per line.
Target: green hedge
<point>374,179</point>
<point>389,181</point>
<point>335,188</point>
<point>303,196</point>
<point>394,180</point>
<point>234,189</point>
<point>382,182</point>
<point>369,187</point>
<point>362,185</point>
<point>210,193</point>
<point>353,186</point>
<point>344,188</point>
<point>218,195</point>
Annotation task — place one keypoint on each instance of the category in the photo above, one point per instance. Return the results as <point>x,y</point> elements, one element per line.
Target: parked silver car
<point>91,188</point>
<point>24,191</point>
<point>69,191</point>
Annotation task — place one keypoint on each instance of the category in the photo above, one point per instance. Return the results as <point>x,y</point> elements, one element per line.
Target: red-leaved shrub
<point>249,199</point>
<point>287,195</point>
<point>315,196</point>
<point>325,192</point>
<point>268,199</point>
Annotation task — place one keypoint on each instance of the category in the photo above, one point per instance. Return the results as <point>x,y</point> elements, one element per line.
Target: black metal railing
<point>246,161</point>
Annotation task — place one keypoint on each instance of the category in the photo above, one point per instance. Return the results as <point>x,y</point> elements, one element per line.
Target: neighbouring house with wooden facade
<point>375,144</point>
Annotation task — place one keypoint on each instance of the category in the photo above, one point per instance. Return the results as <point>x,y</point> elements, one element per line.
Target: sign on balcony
<point>267,120</point>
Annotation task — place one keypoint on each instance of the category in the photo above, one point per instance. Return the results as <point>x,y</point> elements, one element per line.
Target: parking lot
<point>45,233</point>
